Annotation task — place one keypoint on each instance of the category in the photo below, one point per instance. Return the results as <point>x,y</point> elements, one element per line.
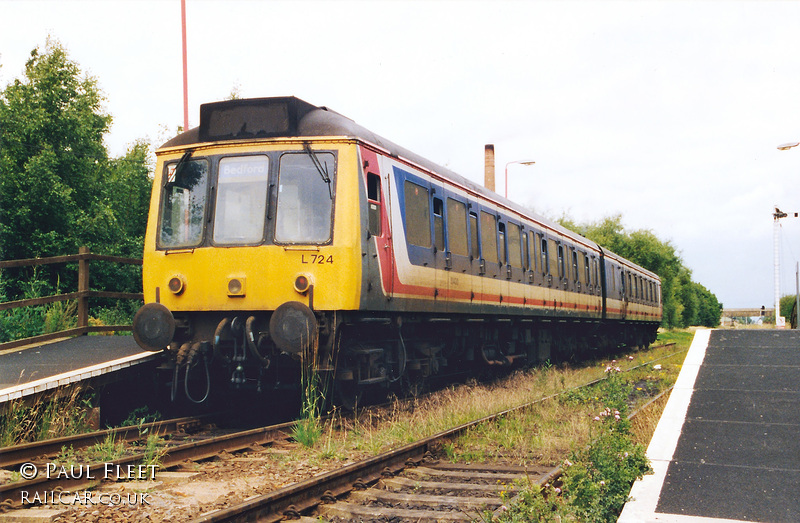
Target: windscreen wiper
<point>173,180</point>
<point>322,170</point>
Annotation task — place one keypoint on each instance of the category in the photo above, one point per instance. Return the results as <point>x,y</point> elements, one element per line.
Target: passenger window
<point>545,257</point>
<point>457,227</point>
<point>475,251</point>
<point>489,237</point>
<point>438,224</point>
<point>374,203</point>
<point>526,264</point>
<point>576,274</point>
<point>501,227</point>
<point>514,248</point>
<point>418,219</point>
<point>587,275</point>
<point>562,267</point>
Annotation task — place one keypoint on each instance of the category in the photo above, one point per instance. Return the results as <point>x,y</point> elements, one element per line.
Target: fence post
<point>83,290</point>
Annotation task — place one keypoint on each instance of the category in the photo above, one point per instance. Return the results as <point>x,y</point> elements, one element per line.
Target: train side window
<point>489,237</point>
<point>587,274</point>
<point>576,274</point>
<point>475,251</point>
<point>457,227</point>
<point>374,203</point>
<point>438,224</point>
<point>526,264</point>
<point>562,267</point>
<point>595,268</point>
<point>532,250</point>
<point>501,233</point>
<point>514,248</point>
<point>418,220</point>
<point>545,257</point>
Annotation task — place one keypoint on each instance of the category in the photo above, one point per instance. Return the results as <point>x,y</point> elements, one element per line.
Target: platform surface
<point>33,369</point>
<point>727,447</point>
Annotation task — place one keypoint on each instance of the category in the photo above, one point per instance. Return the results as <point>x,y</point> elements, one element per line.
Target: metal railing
<point>82,296</point>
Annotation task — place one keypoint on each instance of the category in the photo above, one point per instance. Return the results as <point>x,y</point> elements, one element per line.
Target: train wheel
<point>347,393</point>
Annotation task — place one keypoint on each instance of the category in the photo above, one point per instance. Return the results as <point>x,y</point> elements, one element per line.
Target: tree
<point>58,188</point>
<point>684,302</point>
<point>53,155</point>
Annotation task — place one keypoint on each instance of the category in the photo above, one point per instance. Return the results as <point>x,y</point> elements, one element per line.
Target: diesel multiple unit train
<point>283,237</point>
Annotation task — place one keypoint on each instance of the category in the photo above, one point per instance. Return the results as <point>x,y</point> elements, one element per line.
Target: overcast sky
<point>668,113</point>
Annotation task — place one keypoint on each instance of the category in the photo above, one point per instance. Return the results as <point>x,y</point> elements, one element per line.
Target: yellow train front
<point>283,238</point>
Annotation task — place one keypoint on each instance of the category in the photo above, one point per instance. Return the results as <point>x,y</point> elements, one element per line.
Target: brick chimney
<point>488,167</point>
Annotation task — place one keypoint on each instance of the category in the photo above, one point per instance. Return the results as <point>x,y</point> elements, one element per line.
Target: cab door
<point>442,262</point>
<point>489,263</point>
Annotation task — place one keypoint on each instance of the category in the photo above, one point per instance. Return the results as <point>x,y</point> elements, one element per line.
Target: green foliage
<point>52,125</point>
<point>597,479</point>
<point>108,449</point>
<point>59,189</point>
<point>685,302</point>
<point>64,413</point>
<point>787,305</point>
<point>534,503</point>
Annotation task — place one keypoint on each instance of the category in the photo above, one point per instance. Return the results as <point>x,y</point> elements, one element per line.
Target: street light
<point>521,162</point>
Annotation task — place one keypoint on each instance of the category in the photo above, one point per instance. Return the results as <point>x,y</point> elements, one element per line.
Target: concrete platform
<point>727,447</point>
<point>34,369</point>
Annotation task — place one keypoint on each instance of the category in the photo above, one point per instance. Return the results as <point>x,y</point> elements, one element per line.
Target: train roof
<point>291,117</point>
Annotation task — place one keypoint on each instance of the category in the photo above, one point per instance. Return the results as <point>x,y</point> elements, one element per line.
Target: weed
<point>63,413</point>
<point>108,449</point>
<point>153,451</point>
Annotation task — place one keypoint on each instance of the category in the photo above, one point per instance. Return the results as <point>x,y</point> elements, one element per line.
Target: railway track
<point>409,465</point>
<point>48,477</point>
<point>399,485</point>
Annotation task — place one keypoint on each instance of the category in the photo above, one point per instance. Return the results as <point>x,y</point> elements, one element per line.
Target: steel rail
<point>17,454</point>
<point>119,469</point>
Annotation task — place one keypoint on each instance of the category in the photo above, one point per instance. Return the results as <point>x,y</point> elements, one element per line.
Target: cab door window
<point>183,207</point>
<point>374,204</point>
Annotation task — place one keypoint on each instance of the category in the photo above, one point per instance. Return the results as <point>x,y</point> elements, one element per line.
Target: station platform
<point>727,447</point>
<point>37,368</point>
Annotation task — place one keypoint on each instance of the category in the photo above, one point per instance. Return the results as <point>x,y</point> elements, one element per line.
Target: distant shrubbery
<point>686,303</point>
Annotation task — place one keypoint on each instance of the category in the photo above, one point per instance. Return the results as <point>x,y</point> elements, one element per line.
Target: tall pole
<point>776,247</point>
<point>185,68</point>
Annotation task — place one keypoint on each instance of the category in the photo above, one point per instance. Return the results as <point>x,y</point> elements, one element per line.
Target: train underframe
<point>355,358</point>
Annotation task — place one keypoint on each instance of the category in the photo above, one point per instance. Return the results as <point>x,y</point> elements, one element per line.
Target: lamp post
<point>777,216</point>
<point>521,162</point>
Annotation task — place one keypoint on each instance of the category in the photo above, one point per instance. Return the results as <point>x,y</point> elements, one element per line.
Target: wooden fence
<point>82,295</point>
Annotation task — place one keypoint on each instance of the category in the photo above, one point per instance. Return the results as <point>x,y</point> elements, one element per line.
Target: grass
<point>64,412</point>
<point>541,434</point>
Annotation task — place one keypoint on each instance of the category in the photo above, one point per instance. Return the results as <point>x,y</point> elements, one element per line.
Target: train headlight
<point>302,283</point>
<point>176,285</point>
<point>236,286</point>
